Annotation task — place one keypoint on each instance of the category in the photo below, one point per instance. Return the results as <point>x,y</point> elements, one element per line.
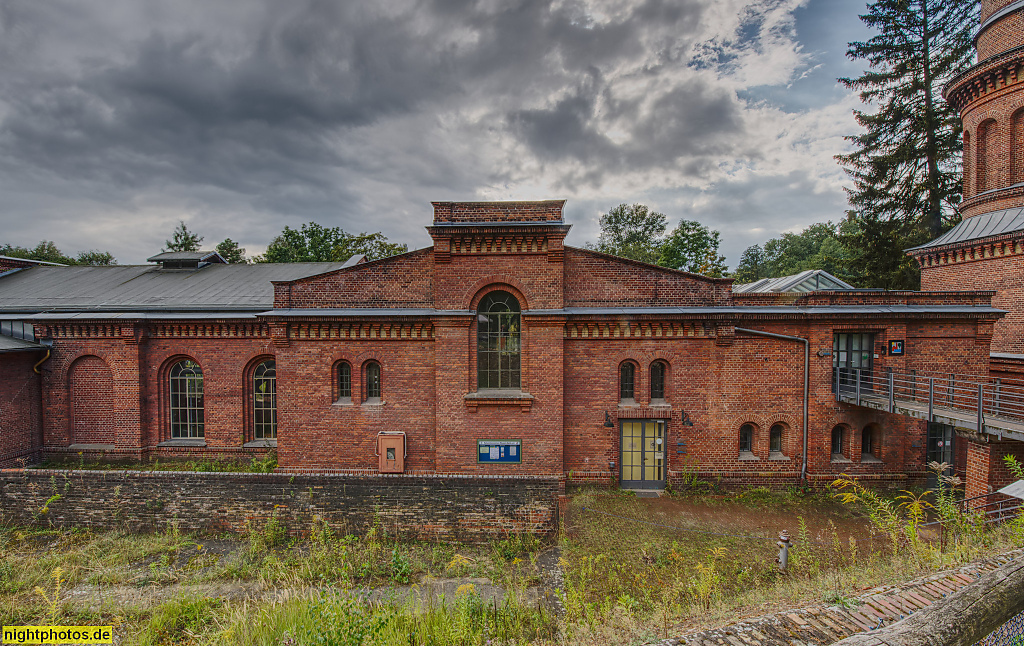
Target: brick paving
<point>821,625</point>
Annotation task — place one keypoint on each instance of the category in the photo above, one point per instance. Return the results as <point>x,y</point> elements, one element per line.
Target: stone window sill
<point>373,401</point>
<point>343,401</point>
<point>91,447</point>
<point>498,398</point>
<point>261,444</point>
<point>628,403</point>
<point>869,459</point>
<point>838,457</point>
<point>778,455</point>
<point>747,456</point>
<point>184,442</point>
<point>660,403</point>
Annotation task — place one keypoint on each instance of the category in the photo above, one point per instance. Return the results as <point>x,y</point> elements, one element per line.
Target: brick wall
<point>1004,34</point>
<point>20,412</point>
<point>1000,269</point>
<point>430,506</point>
<point>91,392</point>
<point>986,470</point>
<point>593,280</point>
<point>459,212</point>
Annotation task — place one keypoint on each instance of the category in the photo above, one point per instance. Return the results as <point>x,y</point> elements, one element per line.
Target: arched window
<point>837,440</point>
<point>775,438</point>
<point>747,438</point>
<point>985,168</point>
<point>497,341</point>
<point>186,390</point>
<point>1017,148</point>
<point>372,381</point>
<point>658,381</point>
<point>344,381</point>
<point>968,163</point>
<point>264,401</point>
<point>627,381</point>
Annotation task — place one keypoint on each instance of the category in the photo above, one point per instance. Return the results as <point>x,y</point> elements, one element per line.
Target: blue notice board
<point>499,451</point>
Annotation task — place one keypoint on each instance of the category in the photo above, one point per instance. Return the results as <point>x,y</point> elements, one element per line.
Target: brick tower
<point>986,250</point>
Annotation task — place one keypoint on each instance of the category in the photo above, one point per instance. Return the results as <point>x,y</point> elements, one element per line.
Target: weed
<point>183,616</point>
<point>340,621</point>
<point>53,600</point>
<point>399,567</point>
<point>265,463</point>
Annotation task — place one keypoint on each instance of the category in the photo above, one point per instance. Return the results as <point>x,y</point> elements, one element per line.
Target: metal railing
<point>982,397</point>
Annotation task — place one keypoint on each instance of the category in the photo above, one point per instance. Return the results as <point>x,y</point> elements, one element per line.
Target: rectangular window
<point>852,352</point>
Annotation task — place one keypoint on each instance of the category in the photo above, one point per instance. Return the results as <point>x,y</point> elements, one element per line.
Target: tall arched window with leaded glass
<point>264,400</point>
<point>498,348</point>
<point>186,395</point>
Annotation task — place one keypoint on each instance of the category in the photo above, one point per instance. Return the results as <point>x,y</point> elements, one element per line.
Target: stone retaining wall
<point>424,506</point>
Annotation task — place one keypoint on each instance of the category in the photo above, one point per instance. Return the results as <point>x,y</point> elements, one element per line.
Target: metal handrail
<point>986,398</point>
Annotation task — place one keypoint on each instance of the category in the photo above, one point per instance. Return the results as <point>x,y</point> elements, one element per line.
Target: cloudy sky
<point>119,118</point>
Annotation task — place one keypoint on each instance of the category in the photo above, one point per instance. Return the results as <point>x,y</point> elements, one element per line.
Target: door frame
<point>644,484</point>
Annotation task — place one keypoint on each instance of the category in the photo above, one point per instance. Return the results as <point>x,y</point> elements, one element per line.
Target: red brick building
<point>986,250</point>
<point>498,350</point>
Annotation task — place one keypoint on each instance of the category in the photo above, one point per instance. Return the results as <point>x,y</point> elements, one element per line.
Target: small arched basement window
<point>747,438</point>
<point>837,440</point>
<point>264,401</point>
<point>775,438</point>
<point>186,400</point>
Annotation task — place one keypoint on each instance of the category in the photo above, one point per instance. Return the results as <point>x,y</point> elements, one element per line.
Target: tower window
<point>372,381</point>
<point>344,381</point>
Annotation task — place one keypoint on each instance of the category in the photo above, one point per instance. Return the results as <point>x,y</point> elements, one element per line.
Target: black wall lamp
<point>608,420</point>
<point>686,419</point>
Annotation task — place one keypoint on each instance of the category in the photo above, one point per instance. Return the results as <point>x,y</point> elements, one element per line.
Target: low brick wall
<point>422,506</point>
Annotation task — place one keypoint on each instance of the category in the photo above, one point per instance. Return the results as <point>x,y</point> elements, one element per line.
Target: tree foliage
<point>693,247</point>
<point>47,251</point>
<point>182,239</point>
<point>905,165</point>
<point>230,251</point>
<point>816,247</point>
<point>315,243</point>
<point>632,232</point>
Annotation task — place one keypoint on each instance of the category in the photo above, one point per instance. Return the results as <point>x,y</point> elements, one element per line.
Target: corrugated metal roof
<point>980,226</point>
<point>10,344</point>
<point>120,288</point>
<point>805,281</point>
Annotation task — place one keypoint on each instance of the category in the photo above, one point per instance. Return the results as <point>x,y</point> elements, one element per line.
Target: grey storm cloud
<point>271,113</point>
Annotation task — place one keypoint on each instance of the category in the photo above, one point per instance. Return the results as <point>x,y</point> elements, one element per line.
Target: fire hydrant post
<point>784,545</point>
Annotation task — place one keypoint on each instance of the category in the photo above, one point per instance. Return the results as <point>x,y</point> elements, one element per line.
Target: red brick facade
<point>20,411</point>
<point>106,389</point>
<point>990,97</point>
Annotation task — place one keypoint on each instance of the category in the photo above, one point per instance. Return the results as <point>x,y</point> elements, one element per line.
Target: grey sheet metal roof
<point>198,256</point>
<point>805,281</point>
<point>147,288</point>
<point>980,226</point>
<point>10,344</point>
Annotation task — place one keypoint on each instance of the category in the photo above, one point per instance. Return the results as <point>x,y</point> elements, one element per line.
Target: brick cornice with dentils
<point>992,195</point>
<point>995,73</point>
<point>1009,244</point>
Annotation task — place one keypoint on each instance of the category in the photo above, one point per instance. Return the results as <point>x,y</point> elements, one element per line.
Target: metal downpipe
<point>807,378</point>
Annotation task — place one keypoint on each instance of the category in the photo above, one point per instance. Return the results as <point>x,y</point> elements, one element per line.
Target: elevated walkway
<point>980,405</point>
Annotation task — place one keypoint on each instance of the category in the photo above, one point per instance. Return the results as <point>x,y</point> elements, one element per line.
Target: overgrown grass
<point>265,463</point>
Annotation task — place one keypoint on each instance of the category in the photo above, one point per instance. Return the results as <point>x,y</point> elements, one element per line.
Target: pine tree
<point>182,239</point>
<point>906,166</point>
